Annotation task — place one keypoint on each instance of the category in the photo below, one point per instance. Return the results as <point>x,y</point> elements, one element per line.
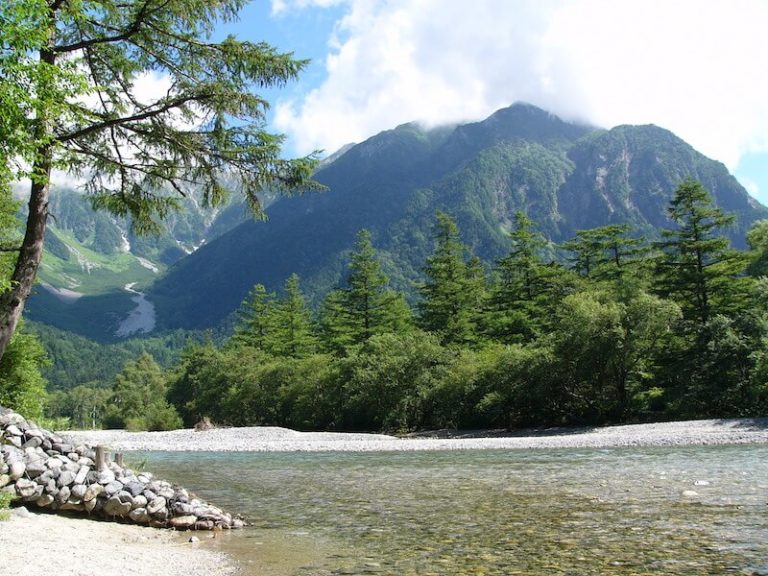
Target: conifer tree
<point>70,99</point>
<point>697,267</point>
<point>256,318</point>
<point>292,335</point>
<point>366,305</point>
<point>449,295</point>
<point>606,252</point>
<point>521,286</point>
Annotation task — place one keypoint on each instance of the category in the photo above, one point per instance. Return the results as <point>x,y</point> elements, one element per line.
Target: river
<point>660,511</point>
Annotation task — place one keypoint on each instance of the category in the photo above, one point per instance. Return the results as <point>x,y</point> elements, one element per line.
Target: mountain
<point>94,265</point>
<point>566,176</point>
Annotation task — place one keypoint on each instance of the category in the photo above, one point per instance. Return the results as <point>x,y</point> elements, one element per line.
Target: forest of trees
<point>619,329</point>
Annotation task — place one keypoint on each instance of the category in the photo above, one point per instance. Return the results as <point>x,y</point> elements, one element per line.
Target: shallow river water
<point>701,510</point>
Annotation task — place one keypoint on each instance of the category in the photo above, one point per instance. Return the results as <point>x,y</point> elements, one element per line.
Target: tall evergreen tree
<point>449,295</point>
<point>366,305</point>
<point>606,252</point>
<point>522,287</point>
<point>292,336</point>
<point>697,268</point>
<point>256,318</point>
<point>70,100</point>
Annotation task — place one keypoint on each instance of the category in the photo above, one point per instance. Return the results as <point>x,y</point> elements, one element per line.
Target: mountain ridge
<point>566,176</point>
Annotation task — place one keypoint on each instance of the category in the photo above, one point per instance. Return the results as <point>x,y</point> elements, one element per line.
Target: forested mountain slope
<point>565,176</point>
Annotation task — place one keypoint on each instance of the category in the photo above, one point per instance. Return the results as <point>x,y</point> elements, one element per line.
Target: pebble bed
<point>274,439</point>
<point>50,472</point>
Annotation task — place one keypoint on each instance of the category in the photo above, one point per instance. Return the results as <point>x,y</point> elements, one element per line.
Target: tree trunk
<point>24,274</point>
<point>31,252</point>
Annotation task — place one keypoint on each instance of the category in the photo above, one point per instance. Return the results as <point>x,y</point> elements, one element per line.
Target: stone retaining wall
<point>44,470</point>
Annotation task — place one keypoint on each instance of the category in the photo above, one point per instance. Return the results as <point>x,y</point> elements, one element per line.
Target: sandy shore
<point>271,439</point>
<point>39,544</point>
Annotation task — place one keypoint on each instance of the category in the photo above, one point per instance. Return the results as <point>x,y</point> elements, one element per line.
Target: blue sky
<point>693,67</point>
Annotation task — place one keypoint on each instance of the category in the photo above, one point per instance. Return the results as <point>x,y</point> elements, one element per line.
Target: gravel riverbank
<point>35,543</point>
<point>272,439</point>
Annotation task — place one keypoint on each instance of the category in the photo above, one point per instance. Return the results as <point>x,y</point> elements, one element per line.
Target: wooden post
<point>119,459</point>
<point>101,458</point>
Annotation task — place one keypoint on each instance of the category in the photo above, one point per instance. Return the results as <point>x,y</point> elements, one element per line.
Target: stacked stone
<point>44,470</point>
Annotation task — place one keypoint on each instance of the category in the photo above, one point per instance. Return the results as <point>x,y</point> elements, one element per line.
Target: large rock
<point>156,505</point>
<point>183,522</point>
<point>17,469</point>
<point>92,492</point>
<point>114,507</point>
<point>26,488</point>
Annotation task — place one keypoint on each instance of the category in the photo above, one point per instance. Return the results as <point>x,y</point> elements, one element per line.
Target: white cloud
<point>693,67</point>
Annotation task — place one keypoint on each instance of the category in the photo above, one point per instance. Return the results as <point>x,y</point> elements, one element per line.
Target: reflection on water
<point>625,511</point>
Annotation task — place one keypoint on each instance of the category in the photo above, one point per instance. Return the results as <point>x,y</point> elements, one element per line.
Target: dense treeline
<point>620,329</point>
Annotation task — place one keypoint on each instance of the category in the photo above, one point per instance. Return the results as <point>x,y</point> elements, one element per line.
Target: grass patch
<point>5,503</point>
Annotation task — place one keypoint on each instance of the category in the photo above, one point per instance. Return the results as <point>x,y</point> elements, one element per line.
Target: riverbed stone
<point>33,442</point>
<point>62,448</point>
<point>113,488</point>
<point>139,515</point>
<point>135,488</point>
<point>105,477</point>
<point>26,488</point>
<point>17,469</point>
<point>81,474</point>
<point>63,495</point>
<point>44,500</point>
<point>51,487</point>
<point>114,507</point>
<point>78,491</point>
<point>54,462</point>
<point>66,478</point>
<point>156,505</point>
<point>52,473</point>
<point>183,509</point>
<point>92,492</point>
<point>36,468</point>
<point>45,477</point>
<point>183,521</point>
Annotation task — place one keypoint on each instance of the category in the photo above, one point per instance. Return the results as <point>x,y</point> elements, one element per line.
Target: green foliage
<point>452,292</point>
<point>22,385</point>
<point>292,333</point>
<point>590,349</point>
<point>757,239</point>
<point>84,406</point>
<point>387,381</point>
<point>138,400</point>
<point>5,501</point>
<point>77,361</point>
<point>698,269</point>
<point>366,306</point>
<point>256,319</point>
<point>525,289</point>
